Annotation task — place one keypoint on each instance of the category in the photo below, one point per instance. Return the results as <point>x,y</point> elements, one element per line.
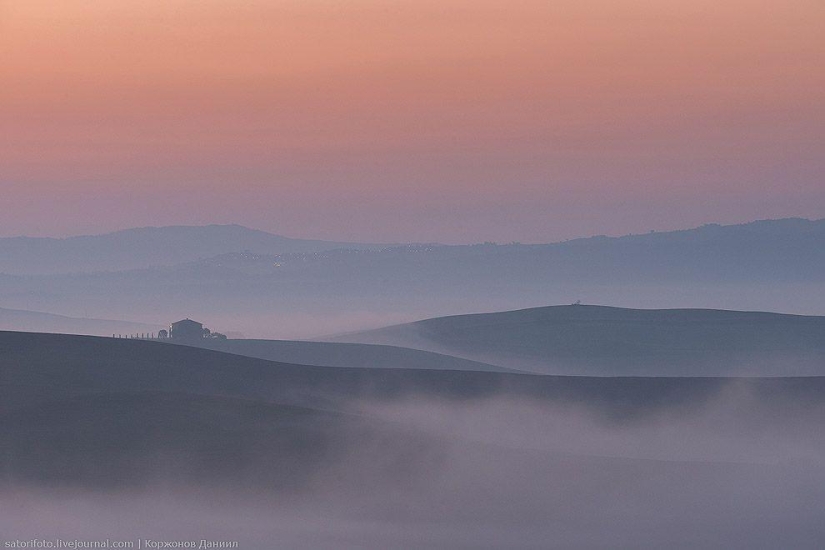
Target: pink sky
<point>419,120</point>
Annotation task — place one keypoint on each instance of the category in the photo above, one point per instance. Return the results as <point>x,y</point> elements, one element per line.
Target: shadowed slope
<point>43,367</point>
<point>608,341</point>
<point>411,448</point>
<point>116,439</point>
<point>331,354</point>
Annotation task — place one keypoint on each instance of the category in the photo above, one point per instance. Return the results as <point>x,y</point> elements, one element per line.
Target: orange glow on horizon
<point>438,96</point>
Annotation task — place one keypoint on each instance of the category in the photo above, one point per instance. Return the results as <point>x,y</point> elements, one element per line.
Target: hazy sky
<point>428,120</point>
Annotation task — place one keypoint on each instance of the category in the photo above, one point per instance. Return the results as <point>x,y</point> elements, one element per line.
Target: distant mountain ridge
<point>146,247</point>
<point>168,246</point>
<point>712,230</point>
<point>252,283</point>
<point>788,250</point>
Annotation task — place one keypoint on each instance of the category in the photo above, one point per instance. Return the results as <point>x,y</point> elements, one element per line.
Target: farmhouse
<point>186,330</point>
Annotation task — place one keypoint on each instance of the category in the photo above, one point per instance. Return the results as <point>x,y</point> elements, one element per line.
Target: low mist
<point>499,472</point>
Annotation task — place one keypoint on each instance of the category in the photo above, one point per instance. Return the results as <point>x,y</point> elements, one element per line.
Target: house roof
<point>185,322</point>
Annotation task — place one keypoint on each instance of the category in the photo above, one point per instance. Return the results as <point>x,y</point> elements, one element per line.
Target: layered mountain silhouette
<point>788,250</point>
<point>252,282</point>
<point>145,247</point>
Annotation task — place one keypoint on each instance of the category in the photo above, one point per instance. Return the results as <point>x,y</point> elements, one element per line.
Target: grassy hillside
<point>332,354</point>
<point>107,428</point>
<point>39,368</point>
<point>607,341</point>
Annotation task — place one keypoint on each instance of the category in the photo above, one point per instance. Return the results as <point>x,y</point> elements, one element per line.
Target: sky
<point>410,120</point>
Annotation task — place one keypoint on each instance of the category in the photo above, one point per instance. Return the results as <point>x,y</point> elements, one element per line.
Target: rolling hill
<point>197,443</point>
<point>333,354</point>
<point>608,341</point>
<point>38,368</point>
<point>44,368</point>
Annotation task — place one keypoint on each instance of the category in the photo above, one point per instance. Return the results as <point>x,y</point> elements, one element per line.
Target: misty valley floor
<point>120,439</point>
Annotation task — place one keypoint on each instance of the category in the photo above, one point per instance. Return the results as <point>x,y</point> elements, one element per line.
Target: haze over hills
<point>774,265</point>
<point>245,377</point>
<point>35,321</point>
<point>776,251</point>
<point>145,247</point>
<point>608,341</point>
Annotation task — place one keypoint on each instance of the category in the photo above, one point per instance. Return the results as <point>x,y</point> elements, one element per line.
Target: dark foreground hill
<point>40,368</point>
<point>104,437</point>
<point>81,390</point>
<point>608,341</point>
